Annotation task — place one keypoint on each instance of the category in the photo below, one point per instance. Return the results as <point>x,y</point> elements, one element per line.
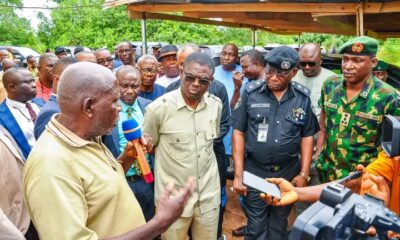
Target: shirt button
<point>198,156</point>
<point>276,140</point>
<point>277,122</point>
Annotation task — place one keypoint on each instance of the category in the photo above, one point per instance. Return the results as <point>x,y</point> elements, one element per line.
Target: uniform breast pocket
<point>364,132</point>
<point>290,129</point>
<point>258,114</point>
<point>178,145</point>
<point>210,137</point>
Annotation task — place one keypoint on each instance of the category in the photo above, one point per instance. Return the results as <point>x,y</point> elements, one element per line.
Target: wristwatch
<point>307,177</point>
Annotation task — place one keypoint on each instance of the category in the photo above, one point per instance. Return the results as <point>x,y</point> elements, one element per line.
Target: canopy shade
<point>379,19</point>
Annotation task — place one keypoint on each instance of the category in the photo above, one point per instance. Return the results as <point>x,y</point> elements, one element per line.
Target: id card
<point>262,132</point>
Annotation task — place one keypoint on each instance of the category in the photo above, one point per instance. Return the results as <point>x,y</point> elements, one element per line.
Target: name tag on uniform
<point>259,105</point>
<point>262,132</point>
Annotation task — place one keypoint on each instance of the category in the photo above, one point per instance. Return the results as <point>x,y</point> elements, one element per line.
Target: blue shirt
<point>226,77</point>
<point>123,115</point>
<point>158,91</point>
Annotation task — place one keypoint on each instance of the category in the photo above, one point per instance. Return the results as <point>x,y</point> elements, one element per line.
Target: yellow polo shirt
<point>75,189</point>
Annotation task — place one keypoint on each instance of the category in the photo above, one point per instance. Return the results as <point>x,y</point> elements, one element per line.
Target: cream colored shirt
<point>184,146</point>
<point>314,84</point>
<point>75,189</point>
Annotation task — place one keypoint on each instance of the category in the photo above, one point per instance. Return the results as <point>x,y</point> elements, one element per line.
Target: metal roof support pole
<point>144,39</point>
<point>360,19</point>
<point>253,37</point>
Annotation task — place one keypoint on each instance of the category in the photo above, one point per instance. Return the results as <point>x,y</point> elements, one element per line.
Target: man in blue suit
<point>19,110</point>
<point>51,107</point>
<point>132,106</point>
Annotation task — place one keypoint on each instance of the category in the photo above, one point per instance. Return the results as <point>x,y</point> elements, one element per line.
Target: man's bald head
<point>311,49</point>
<point>19,84</point>
<point>88,98</point>
<point>82,80</point>
<point>185,51</point>
<point>7,64</point>
<point>127,70</point>
<point>46,57</point>
<point>310,59</point>
<point>85,57</point>
<point>59,68</point>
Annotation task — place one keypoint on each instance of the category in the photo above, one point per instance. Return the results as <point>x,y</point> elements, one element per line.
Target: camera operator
<point>374,181</point>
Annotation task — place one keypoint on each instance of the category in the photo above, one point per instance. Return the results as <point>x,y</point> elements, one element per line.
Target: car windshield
<point>27,51</point>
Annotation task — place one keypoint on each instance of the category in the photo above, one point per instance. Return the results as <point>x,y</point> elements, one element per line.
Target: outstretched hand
<point>371,184</point>
<point>288,194</point>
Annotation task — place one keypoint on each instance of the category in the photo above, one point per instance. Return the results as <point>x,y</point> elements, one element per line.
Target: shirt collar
<point>364,92</point>
<point>66,135</point>
<point>16,104</point>
<point>180,102</point>
<point>288,94</point>
<point>124,106</point>
<point>367,87</point>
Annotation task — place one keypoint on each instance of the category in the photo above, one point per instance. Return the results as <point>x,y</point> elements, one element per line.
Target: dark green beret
<point>282,58</point>
<point>381,66</point>
<point>363,46</point>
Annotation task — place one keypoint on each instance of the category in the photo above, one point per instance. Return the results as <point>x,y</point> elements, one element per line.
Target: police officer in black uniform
<point>273,137</point>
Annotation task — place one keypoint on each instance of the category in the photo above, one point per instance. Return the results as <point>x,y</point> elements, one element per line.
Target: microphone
<point>132,132</point>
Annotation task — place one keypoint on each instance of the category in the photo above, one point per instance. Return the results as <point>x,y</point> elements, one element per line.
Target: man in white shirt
<point>18,112</point>
<point>312,75</point>
<point>170,65</point>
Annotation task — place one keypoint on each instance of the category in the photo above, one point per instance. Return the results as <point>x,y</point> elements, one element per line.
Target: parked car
<point>70,49</point>
<point>21,54</point>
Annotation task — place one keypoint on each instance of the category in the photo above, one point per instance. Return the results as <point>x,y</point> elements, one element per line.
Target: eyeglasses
<point>103,61</point>
<point>148,70</point>
<point>192,78</point>
<point>310,64</point>
<point>281,74</point>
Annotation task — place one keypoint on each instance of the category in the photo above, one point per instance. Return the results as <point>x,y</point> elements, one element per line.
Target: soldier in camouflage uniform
<point>353,106</point>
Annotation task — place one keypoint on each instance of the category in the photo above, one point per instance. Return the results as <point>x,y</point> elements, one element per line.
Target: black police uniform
<point>272,146</point>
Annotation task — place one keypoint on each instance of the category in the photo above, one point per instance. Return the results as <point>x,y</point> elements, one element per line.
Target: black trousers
<point>265,221</point>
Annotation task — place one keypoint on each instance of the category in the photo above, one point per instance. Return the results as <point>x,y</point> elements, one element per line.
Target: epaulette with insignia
<point>301,88</point>
<point>158,102</point>
<point>210,95</point>
<point>251,86</point>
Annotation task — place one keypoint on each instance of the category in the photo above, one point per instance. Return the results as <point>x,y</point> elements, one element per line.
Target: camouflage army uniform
<point>353,128</point>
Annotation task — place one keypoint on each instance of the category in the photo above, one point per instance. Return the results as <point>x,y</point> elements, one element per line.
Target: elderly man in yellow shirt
<point>74,188</point>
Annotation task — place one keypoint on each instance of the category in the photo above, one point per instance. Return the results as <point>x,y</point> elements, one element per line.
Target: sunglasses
<point>310,64</point>
<point>281,74</point>
<point>192,78</point>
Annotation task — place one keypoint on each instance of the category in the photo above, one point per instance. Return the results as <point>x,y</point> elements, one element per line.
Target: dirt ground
<point>233,216</point>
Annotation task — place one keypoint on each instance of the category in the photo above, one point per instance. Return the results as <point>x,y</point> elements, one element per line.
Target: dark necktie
<point>31,112</point>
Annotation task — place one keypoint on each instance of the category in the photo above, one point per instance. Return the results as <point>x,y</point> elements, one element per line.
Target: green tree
<point>15,30</point>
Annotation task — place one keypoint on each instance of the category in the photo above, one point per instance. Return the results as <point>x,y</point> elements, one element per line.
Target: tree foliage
<point>84,22</point>
<point>15,30</point>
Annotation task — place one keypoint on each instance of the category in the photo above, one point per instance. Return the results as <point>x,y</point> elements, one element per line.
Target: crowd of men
<point>68,172</point>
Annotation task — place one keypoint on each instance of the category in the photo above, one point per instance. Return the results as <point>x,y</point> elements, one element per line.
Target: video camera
<point>340,214</point>
<point>391,135</point>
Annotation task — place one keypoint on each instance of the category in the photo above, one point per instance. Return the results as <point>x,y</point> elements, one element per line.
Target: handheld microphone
<point>132,132</point>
